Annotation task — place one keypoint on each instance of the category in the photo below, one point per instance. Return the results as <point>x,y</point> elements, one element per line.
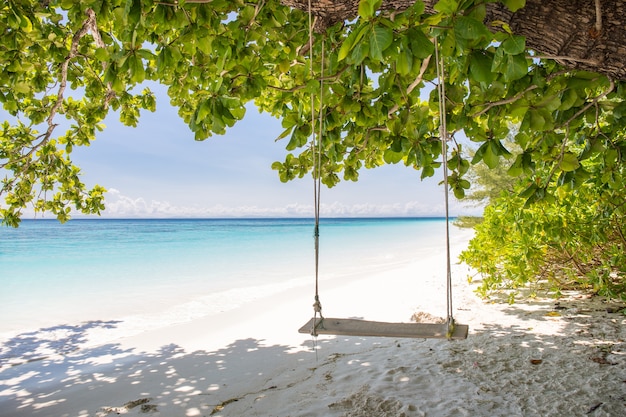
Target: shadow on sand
<point>48,372</point>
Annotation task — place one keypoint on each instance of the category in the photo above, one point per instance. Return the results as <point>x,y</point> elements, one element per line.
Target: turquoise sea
<point>103,269</point>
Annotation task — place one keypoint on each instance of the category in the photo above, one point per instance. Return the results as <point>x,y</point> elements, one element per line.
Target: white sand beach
<point>539,358</point>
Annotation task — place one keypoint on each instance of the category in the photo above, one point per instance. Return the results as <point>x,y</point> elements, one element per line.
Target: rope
<point>443,133</point>
<point>316,150</point>
<point>317,175</point>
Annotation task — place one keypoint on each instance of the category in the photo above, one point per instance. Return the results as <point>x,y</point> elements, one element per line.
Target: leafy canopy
<point>371,79</point>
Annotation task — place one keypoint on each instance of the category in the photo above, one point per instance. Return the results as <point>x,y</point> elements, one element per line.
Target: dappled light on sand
<point>540,358</point>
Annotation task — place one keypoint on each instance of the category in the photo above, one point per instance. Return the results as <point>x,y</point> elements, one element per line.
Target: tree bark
<point>569,31</point>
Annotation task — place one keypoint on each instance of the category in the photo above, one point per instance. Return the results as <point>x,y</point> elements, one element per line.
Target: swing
<point>354,327</point>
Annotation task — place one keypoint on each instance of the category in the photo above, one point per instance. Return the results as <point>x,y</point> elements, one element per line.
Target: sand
<point>543,357</point>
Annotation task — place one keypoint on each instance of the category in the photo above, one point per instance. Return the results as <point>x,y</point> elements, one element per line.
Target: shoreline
<point>152,308</point>
<point>188,287</point>
<point>530,359</point>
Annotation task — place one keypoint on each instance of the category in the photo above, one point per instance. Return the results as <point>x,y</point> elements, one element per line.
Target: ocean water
<point>104,269</point>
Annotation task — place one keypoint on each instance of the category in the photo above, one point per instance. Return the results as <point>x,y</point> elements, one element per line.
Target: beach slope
<point>542,358</point>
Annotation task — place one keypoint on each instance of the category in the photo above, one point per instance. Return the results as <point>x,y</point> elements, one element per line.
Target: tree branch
<point>505,101</point>
<point>415,83</point>
<point>598,18</point>
<point>591,103</point>
<point>89,25</point>
<point>565,58</point>
<point>331,78</point>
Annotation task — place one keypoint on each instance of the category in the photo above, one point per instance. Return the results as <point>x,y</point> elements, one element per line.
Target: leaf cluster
<point>572,239</point>
<point>365,89</point>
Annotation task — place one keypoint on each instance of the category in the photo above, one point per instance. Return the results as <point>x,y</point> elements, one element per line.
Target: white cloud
<point>122,206</point>
<point>119,205</point>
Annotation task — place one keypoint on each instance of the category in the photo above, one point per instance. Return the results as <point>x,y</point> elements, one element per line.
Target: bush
<point>572,240</point>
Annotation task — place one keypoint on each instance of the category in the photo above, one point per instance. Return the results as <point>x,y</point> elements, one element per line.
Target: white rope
<point>316,145</point>
<point>443,133</point>
<point>317,175</point>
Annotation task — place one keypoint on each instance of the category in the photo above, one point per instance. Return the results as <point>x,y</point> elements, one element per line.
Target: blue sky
<point>159,170</point>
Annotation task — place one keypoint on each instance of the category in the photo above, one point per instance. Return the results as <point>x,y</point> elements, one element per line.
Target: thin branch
<point>567,131</point>
<point>561,156</point>
<point>88,25</point>
<point>331,78</point>
<point>415,83</point>
<point>92,27</point>
<point>287,90</point>
<point>565,58</point>
<point>620,233</point>
<point>591,103</point>
<point>505,101</point>
<point>257,10</point>
<point>571,257</point>
<point>598,17</point>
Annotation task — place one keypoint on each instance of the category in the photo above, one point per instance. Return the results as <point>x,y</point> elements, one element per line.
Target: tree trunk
<point>569,31</point>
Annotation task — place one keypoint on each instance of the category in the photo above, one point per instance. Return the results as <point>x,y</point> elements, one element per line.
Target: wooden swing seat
<point>355,327</point>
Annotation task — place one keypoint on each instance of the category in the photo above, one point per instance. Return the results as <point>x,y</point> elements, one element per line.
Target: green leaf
<point>132,12</point>
<point>353,39</point>
<point>446,6</point>
<point>505,27</point>
<point>418,8</point>
<point>469,28</point>
<point>480,152</point>
<point>537,121</point>
<point>427,172</point>
<point>380,39</point>
<point>459,192</point>
<point>22,87</point>
<point>550,102</point>
<point>490,157</point>
<point>359,53</point>
<point>529,191</point>
<point>299,137</point>
<point>346,47</point>
<point>569,98</point>
<point>25,24</point>
<point>392,157</point>
<point>516,169</point>
<point>569,162</point>
<point>367,8</point>
<point>102,54</point>
<point>499,61</point>
<point>480,67</point>
<point>421,45</point>
<point>514,45</point>
<point>448,45</point>
<point>499,149</point>
<point>518,109</point>
<point>135,66</point>
<point>66,4</point>
<point>404,62</point>
<point>514,5</point>
<point>516,67</point>
<point>203,110</point>
<point>285,133</point>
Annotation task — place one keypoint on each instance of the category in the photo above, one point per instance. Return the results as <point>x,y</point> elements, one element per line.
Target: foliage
<point>369,81</point>
<point>467,222</point>
<point>575,239</point>
<point>487,184</point>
